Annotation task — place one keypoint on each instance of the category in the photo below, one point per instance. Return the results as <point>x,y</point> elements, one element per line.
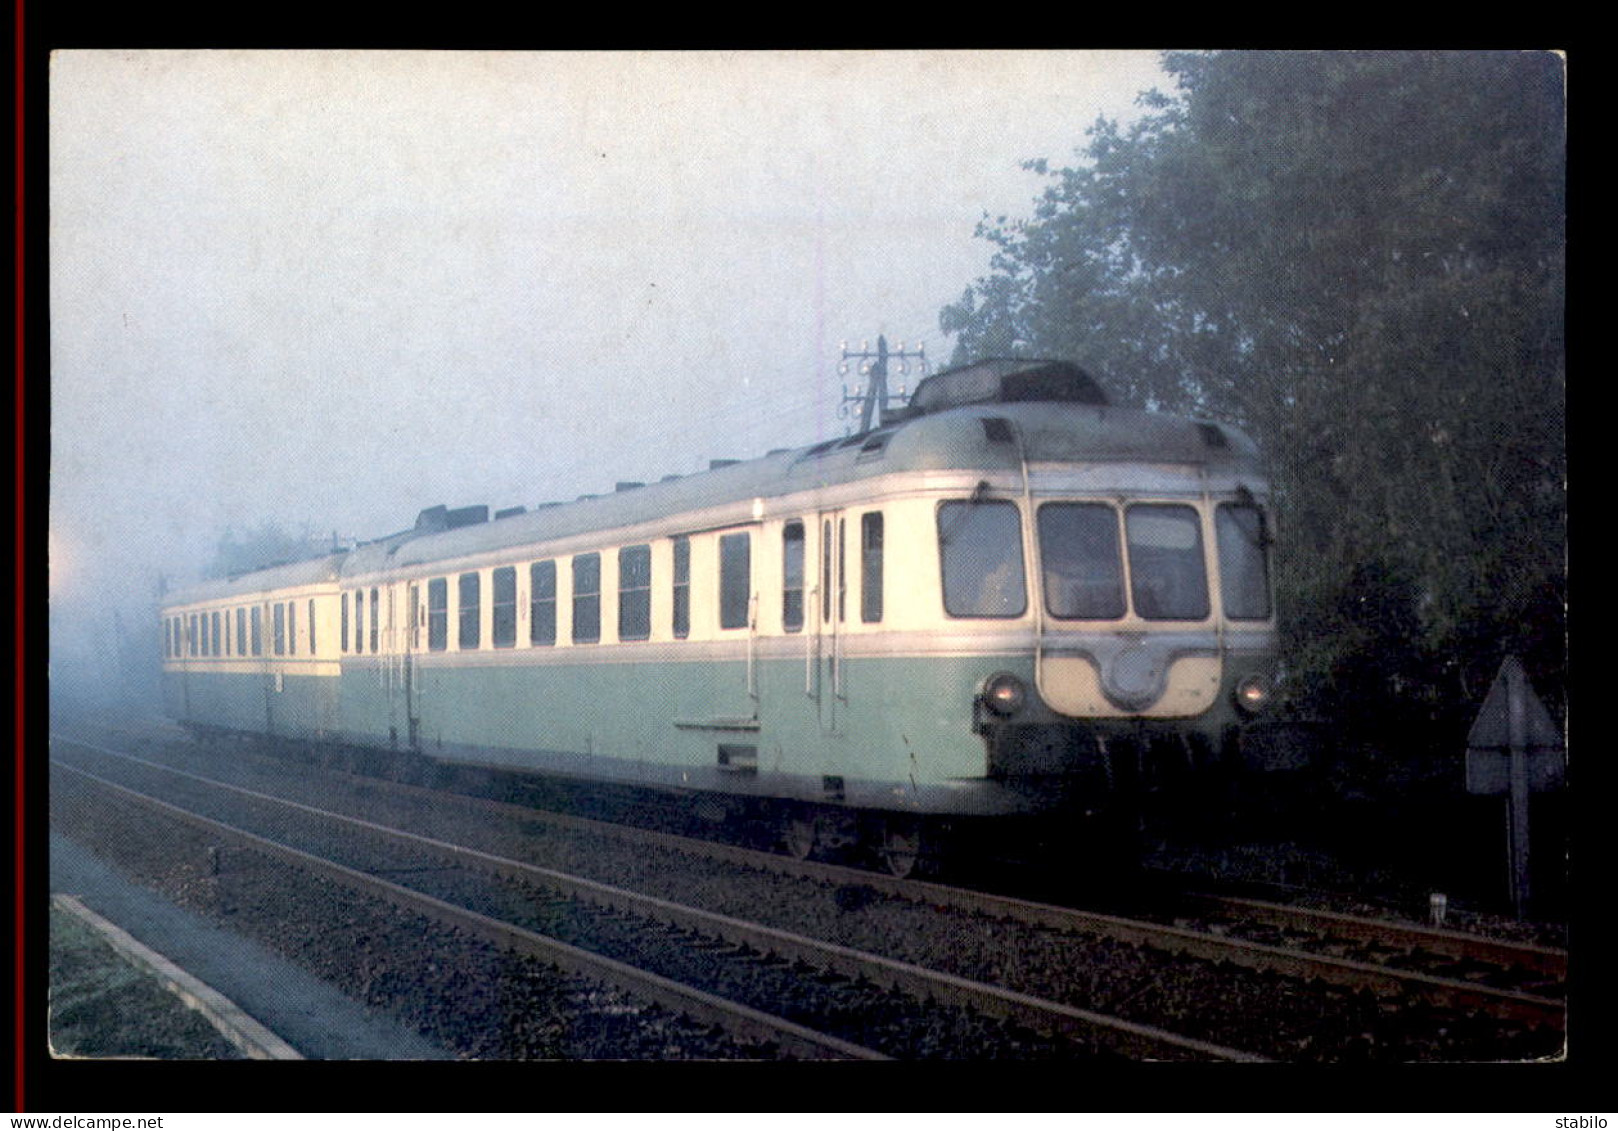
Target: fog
<point>328,289</point>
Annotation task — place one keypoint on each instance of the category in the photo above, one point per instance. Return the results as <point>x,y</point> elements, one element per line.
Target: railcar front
<point>1079,595</point>
<point>1127,593</point>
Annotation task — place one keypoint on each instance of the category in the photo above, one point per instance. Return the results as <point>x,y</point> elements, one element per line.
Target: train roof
<point>1005,380</point>
<point>290,575</point>
<point>987,416</point>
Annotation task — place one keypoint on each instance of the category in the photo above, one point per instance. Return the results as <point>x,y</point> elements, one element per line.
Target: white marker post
<point>1514,749</point>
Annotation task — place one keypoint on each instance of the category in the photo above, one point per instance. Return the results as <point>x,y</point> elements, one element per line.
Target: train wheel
<point>900,845</point>
<point>800,832</point>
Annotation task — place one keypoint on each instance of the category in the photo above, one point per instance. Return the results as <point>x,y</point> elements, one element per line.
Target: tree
<point>266,545</point>
<point>1360,256</point>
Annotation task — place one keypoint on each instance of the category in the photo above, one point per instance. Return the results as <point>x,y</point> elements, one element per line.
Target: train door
<point>410,675</point>
<point>737,696</point>
<point>264,641</point>
<point>830,609</point>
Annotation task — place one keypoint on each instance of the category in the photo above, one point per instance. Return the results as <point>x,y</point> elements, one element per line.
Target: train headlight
<point>1004,693</point>
<point>1253,693</point>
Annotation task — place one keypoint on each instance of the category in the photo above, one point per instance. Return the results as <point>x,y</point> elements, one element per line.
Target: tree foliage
<point>266,545</point>
<point>1360,256</point>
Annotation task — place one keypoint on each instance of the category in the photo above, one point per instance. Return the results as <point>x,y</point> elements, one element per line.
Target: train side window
<point>241,632</point>
<point>825,572</point>
<point>279,613</point>
<point>504,598</point>
<point>438,614</point>
<point>413,603</point>
<point>842,570</point>
<point>359,620</point>
<point>587,599</point>
<point>292,628</point>
<point>542,603</point>
<point>871,567</point>
<point>376,613</point>
<point>792,546</point>
<point>735,579</point>
<point>980,549</point>
<point>311,626</point>
<point>257,618</point>
<point>469,589</point>
<point>1244,578</point>
<point>682,588</point>
<point>343,619</point>
<point>635,593</point>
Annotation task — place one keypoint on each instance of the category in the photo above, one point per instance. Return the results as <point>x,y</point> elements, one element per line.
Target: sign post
<point>1514,749</point>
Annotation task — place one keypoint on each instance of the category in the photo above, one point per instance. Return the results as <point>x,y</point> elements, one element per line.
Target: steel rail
<point>708,1008</point>
<point>1533,1009</point>
<point>997,1001</point>
<point>1546,960</point>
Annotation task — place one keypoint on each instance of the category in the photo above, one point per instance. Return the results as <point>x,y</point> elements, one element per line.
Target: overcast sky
<point>333,288</point>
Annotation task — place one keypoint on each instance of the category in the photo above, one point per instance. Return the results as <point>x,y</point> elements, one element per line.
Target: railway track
<point>655,932</point>
<point>1221,943</point>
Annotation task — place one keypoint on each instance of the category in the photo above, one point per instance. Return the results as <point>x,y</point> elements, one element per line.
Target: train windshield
<point>1244,578</point>
<point>1082,551</point>
<point>1083,573</point>
<point>1168,580</point>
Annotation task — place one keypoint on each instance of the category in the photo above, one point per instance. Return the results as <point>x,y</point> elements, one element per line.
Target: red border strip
<point>17,553</point>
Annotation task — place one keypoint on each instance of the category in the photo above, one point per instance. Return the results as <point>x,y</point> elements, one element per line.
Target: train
<point>1009,599</point>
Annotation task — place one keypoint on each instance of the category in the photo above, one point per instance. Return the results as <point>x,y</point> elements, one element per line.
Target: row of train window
<point>360,629</point>
<point>1081,554</point>
<point>238,632</point>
